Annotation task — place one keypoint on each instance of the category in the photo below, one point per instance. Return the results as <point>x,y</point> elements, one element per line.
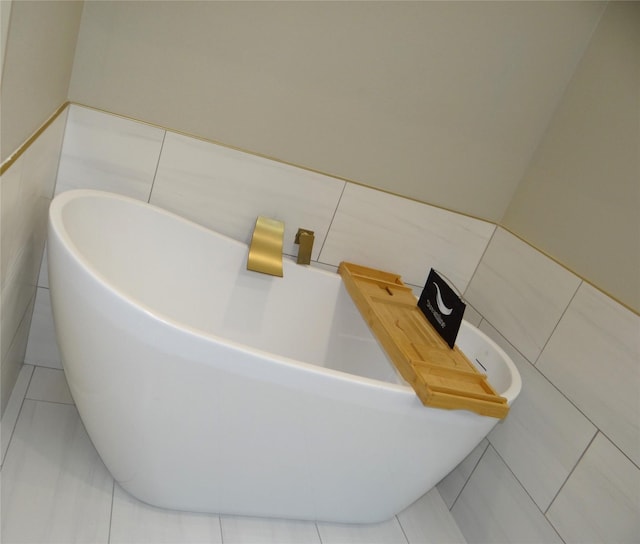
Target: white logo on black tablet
<point>440,303</point>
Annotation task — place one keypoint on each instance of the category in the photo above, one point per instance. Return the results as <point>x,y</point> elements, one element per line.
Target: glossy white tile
<point>387,532</point>
<point>109,153</point>
<point>43,276</point>
<point>22,242</point>
<point>451,485</point>
<point>14,293</point>
<point>242,530</point>
<point>134,522</point>
<point>521,292</point>
<point>17,296</point>
<point>42,349</point>
<point>13,360</point>
<point>226,190</point>
<point>601,500</point>
<point>50,385</point>
<point>54,486</point>
<point>11,412</point>
<point>593,357</point>
<point>428,521</point>
<point>544,435</point>
<point>493,507</point>
<point>384,231</point>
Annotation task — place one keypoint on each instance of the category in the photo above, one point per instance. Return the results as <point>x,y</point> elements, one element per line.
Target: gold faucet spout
<point>265,251</point>
<point>305,239</point>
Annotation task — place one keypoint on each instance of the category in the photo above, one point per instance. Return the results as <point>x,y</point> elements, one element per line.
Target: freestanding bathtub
<point>208,388</point>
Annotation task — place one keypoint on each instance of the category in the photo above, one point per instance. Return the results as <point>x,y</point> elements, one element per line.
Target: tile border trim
<point>11,159</point>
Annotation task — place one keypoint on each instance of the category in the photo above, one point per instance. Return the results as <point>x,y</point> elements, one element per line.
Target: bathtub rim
<point>56,224</point>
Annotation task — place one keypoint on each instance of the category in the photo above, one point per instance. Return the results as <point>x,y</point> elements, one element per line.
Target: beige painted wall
<point>40,45</point>
<point>444,102</point>
<point>580,198</point>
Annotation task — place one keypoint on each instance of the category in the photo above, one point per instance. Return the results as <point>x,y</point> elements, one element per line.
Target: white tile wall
<point>544,435</point>
<point>586,380</point>
<point>12,361</point>
<point>109,153</point>
<point>601,500</point>
<point>493,507</point>
<point>594,358</point>
<point>403,236</point>
<point>26,189</point>
<point>520,292</point>
<point>10,415</point>
<point>16,293</point>
<point>226,190</point>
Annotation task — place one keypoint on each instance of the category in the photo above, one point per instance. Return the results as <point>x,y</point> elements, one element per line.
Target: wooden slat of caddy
<point>441,377</point>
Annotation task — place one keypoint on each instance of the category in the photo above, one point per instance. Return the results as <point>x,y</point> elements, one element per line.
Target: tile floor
<point>56,489</point>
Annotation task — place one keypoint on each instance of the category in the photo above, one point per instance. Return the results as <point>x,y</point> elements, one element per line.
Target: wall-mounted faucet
<point>265,251</point>
<point>305,239</point>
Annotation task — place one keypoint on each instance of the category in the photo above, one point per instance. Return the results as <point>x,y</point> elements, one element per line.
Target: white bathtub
<point>206,387</point>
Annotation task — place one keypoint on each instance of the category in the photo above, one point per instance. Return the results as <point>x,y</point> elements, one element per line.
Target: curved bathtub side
<point>186,422</point>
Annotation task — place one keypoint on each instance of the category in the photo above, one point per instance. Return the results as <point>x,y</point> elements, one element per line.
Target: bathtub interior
<point>197,279</point>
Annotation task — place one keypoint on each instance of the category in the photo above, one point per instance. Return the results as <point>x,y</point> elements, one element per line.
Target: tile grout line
<point>564,396</point>
<point>220,527</point>
<point>469,478</point>
<point>335,212</point>
<point>475,270</point>
<point>571,473</point>
<point>613,443</point>
<point>31,304</point>
<point>155,173</point>
<point>113,493</point>
<point>52,402</point>
<point>402,529</point>
<point>555,327</point>
<point>506,339</point>
<point>525,489</point>
<point>18,416</point>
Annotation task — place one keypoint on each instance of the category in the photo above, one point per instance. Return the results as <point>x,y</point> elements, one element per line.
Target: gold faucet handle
<point>305,239</point>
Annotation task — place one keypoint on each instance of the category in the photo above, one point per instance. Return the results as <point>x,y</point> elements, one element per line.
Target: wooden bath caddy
<point>441,377</point>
